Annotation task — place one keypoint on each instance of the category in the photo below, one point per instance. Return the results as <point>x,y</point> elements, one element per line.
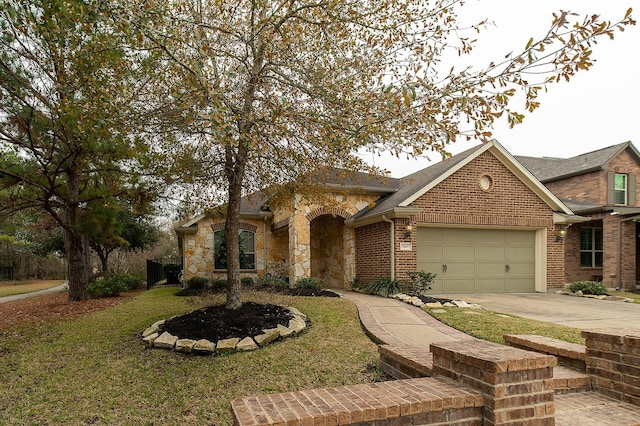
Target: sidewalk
<point>62,287</point>
<point>392,322</point>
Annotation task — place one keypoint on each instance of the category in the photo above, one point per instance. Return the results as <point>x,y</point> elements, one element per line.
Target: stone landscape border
<point>416,301</point>
<point>154,337</point>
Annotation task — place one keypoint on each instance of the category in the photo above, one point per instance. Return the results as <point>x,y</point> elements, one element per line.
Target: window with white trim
<point>620,189</point>
<point>247,242</point>
<point>591,253</point>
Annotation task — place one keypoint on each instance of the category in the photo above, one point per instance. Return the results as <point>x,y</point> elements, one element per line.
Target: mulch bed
<point>216,322</point>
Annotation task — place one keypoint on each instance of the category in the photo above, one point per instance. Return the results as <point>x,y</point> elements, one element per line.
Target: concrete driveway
<point>578,312</point>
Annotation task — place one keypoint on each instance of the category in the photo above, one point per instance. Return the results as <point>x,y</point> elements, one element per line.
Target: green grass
<point>11,288</point>
<point>492,326</point>
<point>634,296</point>
<point>95,369</point>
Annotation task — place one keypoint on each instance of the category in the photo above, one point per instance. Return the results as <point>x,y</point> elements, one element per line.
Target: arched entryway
<point>327,250</point>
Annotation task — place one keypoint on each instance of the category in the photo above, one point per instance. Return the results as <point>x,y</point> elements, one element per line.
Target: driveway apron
<point>578,312</point>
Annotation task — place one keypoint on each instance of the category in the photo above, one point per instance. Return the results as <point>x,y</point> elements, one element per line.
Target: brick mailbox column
<point>613,362</point>
<point>512,380</point>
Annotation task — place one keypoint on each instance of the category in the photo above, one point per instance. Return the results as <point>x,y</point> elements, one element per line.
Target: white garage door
<point>477,260</point>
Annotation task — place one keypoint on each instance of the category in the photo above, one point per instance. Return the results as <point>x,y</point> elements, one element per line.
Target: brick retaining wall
<point>514,382</point>
<point>613,361</point>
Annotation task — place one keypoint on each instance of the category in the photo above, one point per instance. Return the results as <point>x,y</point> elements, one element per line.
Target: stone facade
<point>333,240</point>
<point>302,240</point>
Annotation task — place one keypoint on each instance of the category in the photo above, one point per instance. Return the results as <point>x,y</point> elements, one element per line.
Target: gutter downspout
<point>393,246</point>
<point>619,271</point>
<point>264,243</point>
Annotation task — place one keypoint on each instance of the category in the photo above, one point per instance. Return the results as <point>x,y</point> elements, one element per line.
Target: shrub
<point>420,281</point>
<point>109,286</point>
<point>270,281</point>
<point>134,281</point>
<point>382,287</point>
<point>197,283</point>
<point>307,282</point>
<point>589,287</point>
<point>356,284</point>
<point>247,282</point>
<point>219,284</point>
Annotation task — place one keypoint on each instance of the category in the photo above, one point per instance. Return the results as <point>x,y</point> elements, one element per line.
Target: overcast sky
<point>596,109</point>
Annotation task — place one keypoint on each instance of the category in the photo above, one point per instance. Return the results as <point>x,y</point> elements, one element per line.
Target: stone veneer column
<point>512,380</point>
<point>349,256</point>
<point>613,362</point>
<point>299,246</point>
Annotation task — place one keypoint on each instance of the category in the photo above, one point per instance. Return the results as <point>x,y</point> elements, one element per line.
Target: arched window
<point>247,241</point>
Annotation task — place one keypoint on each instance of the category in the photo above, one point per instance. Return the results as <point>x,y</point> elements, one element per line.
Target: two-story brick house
<point>602,187</point>
<point>479,220</point>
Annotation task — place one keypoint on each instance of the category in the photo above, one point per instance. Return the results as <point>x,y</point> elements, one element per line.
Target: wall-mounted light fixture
<point>562,232</point>
<point>408,229</point>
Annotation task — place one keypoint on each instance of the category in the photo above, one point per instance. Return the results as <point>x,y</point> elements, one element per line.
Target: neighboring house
<point>479,220</point>
<point>601,186</point>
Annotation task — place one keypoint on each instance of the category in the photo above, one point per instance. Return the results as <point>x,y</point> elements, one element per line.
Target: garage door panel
<point>488,285</point>
<point>522,238</point>
<point>489,237</point>
<point>519,254</point>
<point>519,285</point>
<point>459,253</point>
<point>459,269</point>
<point>478,260</point>
<point>488,253</point>
<point>430,235</point>
<point>490,269</point>
<point>434,253</point>
<point>457,236</point>
<point>459,285</point>
<point>521,268</point>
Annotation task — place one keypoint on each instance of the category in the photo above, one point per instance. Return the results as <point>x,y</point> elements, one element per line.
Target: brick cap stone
<point>492,357</point>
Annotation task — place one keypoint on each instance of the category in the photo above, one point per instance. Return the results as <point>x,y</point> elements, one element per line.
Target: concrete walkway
<point>396,323</point>
<point>62,287</point>
<point>392,322</point>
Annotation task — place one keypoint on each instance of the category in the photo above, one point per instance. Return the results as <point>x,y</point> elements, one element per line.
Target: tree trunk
<point>76,248</point>
<point>103,255</point>
<point>232,226</point>
<point>76,245</point>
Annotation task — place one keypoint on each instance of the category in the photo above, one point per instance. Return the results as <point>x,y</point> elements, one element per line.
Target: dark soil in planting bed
<point>216,322</point>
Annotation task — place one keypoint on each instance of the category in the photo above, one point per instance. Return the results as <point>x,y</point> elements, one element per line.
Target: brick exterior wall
<point>373,254</point>
<point>620,262</point>
<point>509,204</point>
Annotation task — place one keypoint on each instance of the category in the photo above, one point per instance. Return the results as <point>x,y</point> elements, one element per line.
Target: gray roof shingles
<point>547,169</point>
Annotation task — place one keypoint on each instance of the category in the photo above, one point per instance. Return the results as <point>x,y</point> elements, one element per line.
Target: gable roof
<point>417,184</point>
<point>548,169</point>
<point>254,205</point>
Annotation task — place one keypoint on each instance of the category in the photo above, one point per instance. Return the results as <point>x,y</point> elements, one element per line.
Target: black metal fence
<point>6,273</point>
<point>167,270</point>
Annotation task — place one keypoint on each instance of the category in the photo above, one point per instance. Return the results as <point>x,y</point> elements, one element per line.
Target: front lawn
<point>95,369</point>
<point>492,326</point>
